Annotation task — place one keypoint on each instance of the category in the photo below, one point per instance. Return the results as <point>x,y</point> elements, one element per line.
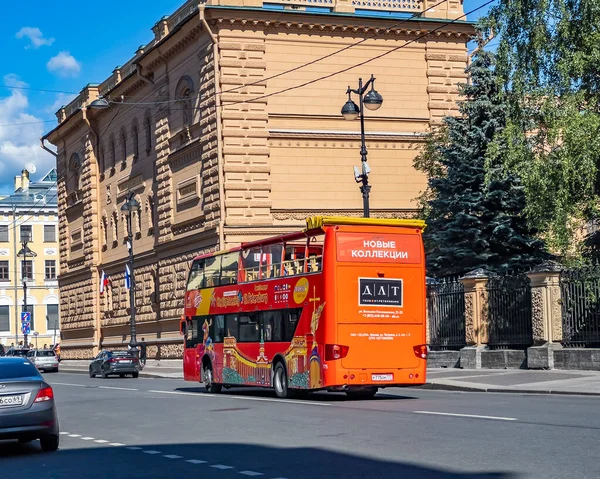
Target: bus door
<point>380,298</point>
<point>191,356</point>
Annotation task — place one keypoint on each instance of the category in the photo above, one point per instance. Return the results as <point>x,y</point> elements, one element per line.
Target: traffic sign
<point>26,327</point>
<point>25,316</point>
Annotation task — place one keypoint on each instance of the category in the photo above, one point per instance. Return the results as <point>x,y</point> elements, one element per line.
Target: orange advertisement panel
<point>379,248</point>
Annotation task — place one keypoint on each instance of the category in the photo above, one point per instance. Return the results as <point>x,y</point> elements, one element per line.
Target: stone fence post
<point>546,315</point>
<point>476,317</point>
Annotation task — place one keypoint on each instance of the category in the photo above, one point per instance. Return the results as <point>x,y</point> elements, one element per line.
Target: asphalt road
<point>142,428</point>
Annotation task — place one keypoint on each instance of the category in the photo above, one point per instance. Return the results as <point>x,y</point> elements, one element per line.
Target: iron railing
<point>446,312</point>
<point>580,295</point>
<point>509,312</point>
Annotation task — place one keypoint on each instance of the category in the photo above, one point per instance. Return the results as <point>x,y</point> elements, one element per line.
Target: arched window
<point>183,95</point>
<point>148,132</point>
<point>123,141</point>
<point>112,152</point>
<point>135,137</point>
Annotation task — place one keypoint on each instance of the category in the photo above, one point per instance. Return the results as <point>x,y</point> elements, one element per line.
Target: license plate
<point>382,377</point>
<point>125,361</point>
<point>6,401</point>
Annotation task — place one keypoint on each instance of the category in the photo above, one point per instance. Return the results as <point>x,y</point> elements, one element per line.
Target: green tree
<point>548,60</point>
<point>473,206</point>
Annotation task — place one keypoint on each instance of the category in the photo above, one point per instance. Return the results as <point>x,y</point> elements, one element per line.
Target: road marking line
<point>87,438</point>
<point>118,389</point>
<point>133,448</point>
<point>101,441</point>
<point>152,452</point>
<point>247,398</point>
<point>74,435</point>
<point>251,473</point>
<point>65,433</point>
<point>172,456</point>
<point>196,461</point>
<point>116,444</point>
<point>221,467</point>
<point>497,418</point>
<point>69,384</point>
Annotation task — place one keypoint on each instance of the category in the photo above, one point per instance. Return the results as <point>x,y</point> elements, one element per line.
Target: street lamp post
<point>24,274</point>
<point>350,111</point>
<point>131,205</point>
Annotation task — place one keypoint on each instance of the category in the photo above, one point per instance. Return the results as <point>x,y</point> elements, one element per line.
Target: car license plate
<point>7,401</point>
<point>382,377</point>
<point>125,361</point>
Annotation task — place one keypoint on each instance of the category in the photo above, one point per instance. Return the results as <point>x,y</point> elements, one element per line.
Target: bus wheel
<point>207,379</point>
<point>366,393</point>
<point>280,382</point>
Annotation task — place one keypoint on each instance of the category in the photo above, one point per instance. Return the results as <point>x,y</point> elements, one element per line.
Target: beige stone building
<point>203,130</point>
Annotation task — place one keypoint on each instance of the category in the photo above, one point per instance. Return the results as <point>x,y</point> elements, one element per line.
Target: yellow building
<point>29,261</point>
<point>209,128</point>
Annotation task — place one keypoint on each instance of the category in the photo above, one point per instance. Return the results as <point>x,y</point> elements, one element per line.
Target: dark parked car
<point>27,409</point>
<point>116,363</point>
<point>16,352</point>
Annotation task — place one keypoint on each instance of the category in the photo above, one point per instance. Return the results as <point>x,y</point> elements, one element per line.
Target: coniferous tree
<point>474,208</point>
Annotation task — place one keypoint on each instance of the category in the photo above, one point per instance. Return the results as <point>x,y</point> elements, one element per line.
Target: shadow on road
<point>294,463</point>
<point>314,396</point>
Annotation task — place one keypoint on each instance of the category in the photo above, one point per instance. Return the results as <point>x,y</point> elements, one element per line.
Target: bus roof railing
<point>316,222</point>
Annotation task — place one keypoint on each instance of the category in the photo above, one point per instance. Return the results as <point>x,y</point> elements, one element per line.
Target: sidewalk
<point>169,369</point>
<point>515,381</point>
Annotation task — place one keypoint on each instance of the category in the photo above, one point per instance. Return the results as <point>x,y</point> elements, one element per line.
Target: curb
<point>142,374</point>
<point>452,387</point>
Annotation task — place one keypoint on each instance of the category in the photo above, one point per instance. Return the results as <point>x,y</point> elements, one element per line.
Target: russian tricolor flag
<point>103,282</point>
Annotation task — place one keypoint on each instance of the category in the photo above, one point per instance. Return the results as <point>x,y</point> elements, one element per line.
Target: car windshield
<point>17,369</point>
<point>45,353</point>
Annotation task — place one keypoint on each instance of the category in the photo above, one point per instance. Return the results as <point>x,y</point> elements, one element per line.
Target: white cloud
<point>62,99</point>
<point>35,36</point>
<point>20,143</point>
<point>64,65</point>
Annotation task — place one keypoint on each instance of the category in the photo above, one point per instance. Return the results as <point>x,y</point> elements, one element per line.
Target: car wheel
<point>135,375</point>
<point>55,370</point>
<point>92,375</point>
<point>49,443</point>
<point>280,383</point>
<point>207,379</point>
<point>103,374</point>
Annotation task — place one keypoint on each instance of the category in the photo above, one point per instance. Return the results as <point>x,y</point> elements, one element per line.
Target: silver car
<point>44,359</point>
<point>27,409</point>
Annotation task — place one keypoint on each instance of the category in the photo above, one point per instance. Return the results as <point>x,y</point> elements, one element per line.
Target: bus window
<point>271,261</point>
<point>229,268</point>
<point>231,326</point>
<point>248,328</point>
<point>217,328</point>
<point>293,261</point>
<point>251,263</point>
<point>273,325</point>
<point>192,337</point>
<point>212,271</point>
<point>196,278</point>
<point>291,317</point>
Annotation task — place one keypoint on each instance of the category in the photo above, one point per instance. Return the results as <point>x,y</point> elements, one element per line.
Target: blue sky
<point>63,49</point>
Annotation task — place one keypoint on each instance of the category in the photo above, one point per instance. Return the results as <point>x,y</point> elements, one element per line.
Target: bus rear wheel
<point>366,393</point>
<point>207,379</point>
<point>280,383</point>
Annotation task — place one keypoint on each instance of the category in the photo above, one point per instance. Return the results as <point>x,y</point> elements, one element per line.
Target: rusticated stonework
<point>77,353</point>
<point>470,333</point>
<point>538,318</point>
<point>219,147</point>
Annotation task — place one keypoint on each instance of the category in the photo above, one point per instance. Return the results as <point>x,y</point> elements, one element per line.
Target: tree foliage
<point>473,206</point>
<point>548,60</point>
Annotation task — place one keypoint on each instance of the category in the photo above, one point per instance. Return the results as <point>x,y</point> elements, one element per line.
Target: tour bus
<point>339,306</point>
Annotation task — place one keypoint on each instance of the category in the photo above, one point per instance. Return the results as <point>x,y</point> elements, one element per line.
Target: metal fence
<point>509,312</point>
<point>446,312</point>
<point>580,294</point>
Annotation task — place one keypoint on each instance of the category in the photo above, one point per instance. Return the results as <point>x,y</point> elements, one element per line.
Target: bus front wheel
<point>207,379</point>
<point>280,383</point>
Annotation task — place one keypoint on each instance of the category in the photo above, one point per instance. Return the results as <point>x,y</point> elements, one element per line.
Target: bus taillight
<point>420,351</point>
<point>335,351</point>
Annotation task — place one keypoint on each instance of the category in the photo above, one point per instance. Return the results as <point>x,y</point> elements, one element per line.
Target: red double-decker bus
<point>338,306</point>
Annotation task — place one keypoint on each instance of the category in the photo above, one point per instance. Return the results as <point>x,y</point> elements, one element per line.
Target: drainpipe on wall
<point>201,7</point>
<point>95,268</point>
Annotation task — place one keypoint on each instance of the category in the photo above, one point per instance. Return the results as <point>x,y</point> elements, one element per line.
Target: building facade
<point>30,215</point>
<point>207,129</point>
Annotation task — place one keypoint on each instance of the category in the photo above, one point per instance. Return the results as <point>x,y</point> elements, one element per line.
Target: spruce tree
<point>474,209</point>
